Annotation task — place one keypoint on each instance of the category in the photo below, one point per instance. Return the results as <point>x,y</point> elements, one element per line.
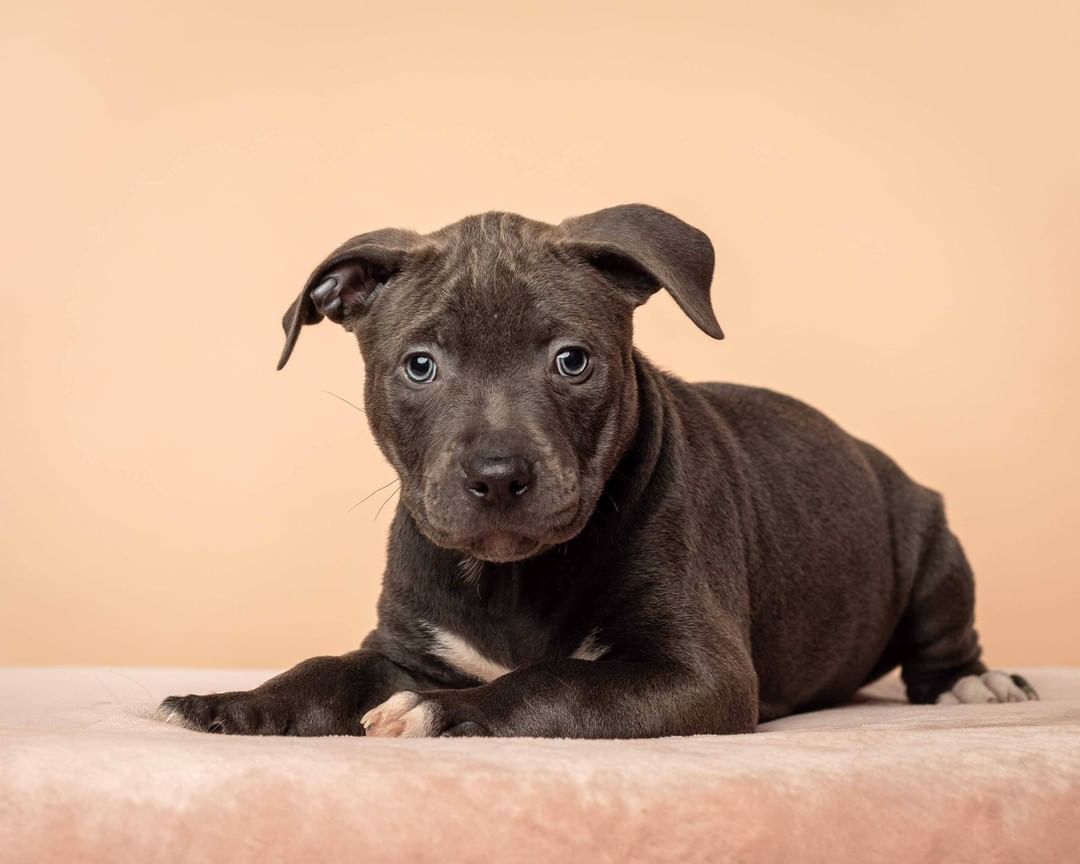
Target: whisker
<point>346,401</point>
<point>384,503</point>
<point>132,680</point>
<point>365,498</point>
<point>470,569</point>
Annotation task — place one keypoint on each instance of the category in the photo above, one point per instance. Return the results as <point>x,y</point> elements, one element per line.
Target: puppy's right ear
<point>348,281</point>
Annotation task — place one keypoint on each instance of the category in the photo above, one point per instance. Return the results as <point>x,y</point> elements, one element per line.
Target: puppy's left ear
<point>348,281</point>
<point>642,249</point>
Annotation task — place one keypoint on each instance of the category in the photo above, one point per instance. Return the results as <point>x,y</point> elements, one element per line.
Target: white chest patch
<point>463,656</point>
<point>590,648</point>
<point>456,652</point>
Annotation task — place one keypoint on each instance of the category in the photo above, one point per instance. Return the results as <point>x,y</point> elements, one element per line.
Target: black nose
<point>497,480</point>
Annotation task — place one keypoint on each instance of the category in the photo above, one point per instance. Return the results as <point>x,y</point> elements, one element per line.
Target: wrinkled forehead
<point>498,281</point>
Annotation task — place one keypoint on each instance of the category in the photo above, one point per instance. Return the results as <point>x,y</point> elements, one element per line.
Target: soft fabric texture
<point>86,775</point>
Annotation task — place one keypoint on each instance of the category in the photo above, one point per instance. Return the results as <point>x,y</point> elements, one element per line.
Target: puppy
<point>586,546</point>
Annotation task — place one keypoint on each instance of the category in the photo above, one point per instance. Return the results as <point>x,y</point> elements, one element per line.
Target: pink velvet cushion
<point>87,776</point>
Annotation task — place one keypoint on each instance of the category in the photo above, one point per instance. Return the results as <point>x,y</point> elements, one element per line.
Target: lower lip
<point>500,544</point>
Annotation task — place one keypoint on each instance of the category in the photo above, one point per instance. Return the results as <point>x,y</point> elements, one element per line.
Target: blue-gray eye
<point>420,368</point>
<point>572,362</point>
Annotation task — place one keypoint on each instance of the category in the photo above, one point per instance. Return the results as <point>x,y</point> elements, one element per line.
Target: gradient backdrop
<point>892,189</point>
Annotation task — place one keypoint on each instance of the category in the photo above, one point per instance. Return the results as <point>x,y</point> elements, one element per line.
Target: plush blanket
<point>86,775</point>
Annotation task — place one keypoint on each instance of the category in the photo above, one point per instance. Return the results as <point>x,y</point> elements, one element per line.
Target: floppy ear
<point>642,249</point>
<point>347,281</point>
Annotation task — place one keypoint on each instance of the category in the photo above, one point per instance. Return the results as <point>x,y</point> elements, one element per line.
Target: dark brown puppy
<point>586,546</point>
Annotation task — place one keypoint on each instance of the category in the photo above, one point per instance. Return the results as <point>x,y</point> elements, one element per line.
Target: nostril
<point>497,479</point>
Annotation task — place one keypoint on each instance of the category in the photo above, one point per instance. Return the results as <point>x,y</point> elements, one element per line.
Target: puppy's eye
<point>572,362</point>
<point>420,368</point>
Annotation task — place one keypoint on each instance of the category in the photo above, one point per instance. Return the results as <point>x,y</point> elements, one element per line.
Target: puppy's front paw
<point>403,715</point>
<point>989,687</point>
<point>415,715</point>
<point>240,713</point>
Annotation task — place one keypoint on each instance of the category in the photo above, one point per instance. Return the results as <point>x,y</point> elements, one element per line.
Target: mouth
<point>502,547</point>
<point>502,543</point>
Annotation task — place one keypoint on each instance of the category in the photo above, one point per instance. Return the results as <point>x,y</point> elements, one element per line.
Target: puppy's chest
<point>489,651</point>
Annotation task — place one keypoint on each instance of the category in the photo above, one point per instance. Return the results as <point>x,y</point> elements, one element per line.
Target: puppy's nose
<point>497,480</point>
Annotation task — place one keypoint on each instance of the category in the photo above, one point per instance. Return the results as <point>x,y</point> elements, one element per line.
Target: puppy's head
<point>499,375</point>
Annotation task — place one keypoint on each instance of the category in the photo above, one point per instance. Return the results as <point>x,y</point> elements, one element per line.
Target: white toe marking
<point>418,722</point>
<point>1003,687</point>
<point>403,715</point>
<point>971,690</point>
<point>993,686</point>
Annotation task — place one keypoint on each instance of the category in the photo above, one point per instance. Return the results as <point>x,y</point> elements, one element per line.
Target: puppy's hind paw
<point>989,687</point>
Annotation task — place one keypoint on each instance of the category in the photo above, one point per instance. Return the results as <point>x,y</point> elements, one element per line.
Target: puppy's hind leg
<point>941,647</point>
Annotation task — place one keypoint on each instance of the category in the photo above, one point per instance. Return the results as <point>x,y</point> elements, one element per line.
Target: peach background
<point>892,190</point>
